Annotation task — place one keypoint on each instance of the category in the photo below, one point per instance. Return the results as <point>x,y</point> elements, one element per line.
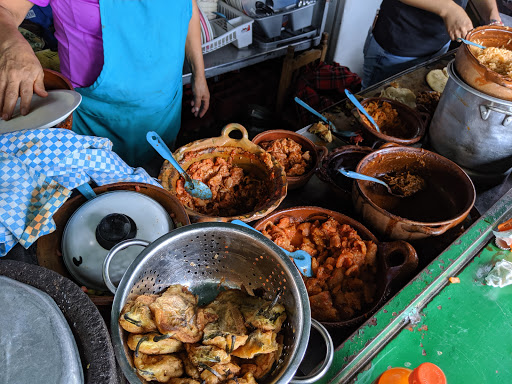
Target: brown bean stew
<point>344,265</point>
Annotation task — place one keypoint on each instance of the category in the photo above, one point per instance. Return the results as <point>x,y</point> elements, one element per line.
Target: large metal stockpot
<point>206,257</point>
<point>473,129</point>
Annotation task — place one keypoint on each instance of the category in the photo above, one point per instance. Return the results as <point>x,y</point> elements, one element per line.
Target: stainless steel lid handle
<point>322,370</point>
<point>485,111</point>
<point>116,248</point>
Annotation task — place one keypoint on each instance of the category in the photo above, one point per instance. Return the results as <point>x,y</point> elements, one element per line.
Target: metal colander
<point>205,257</point>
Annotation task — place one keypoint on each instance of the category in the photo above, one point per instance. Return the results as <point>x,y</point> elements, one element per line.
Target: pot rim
<point>380,152</point>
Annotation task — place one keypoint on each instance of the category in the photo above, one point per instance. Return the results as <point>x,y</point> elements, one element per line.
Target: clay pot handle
<point>429,231</point>
<point>389,144</point>
<point>424,116</point>
<point>403,252</point>
<point>321,152</point>
<point>233,127</point>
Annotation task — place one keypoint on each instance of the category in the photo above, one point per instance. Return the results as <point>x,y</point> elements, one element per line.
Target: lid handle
<point>115,228</point>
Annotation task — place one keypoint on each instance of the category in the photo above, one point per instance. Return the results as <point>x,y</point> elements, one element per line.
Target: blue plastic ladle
<point>301,258</point>
<point>360,176</point>
<point>471,43</point>
<point>358,105</point>
<point>196,188</point>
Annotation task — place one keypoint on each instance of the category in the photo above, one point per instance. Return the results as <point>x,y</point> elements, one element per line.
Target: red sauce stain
<point>439,307</point>
<point>424,353</point>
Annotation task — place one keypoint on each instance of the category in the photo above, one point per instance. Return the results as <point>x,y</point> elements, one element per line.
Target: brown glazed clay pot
<point>445,201</point>
<point>397,260</point>
<point>347,157</point>
<point>48,251</point>
<point>414,121</point>
<point>55,80</point>
<point>476,74</point>
<point>317,153</point>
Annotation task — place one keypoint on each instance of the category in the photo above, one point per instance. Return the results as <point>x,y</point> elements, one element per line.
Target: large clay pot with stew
<point>476,74</point>
<point>443,202</point>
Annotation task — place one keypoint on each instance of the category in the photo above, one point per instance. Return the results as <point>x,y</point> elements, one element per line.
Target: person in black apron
<point>139,88</point>
<point>409,32</point>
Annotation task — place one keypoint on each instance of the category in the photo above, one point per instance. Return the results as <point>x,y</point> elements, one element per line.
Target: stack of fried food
<point>290,155</point>
<point>235,339</point>
<point>343,264</point>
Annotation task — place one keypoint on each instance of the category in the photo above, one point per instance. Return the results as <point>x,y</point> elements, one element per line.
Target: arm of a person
<point>488,10</point>
<point>194,55</point>
<point>455,18</point>
<point>21,73</point>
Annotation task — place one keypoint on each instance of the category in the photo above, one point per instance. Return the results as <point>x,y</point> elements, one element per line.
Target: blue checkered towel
<point>38,170</point>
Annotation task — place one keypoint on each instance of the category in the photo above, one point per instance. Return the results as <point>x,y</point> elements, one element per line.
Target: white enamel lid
<point>81,250</point>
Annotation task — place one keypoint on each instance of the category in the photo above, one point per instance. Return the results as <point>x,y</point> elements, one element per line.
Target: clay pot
<point>397,260</point>
<point>317,153</point>
<point>55,80</point>
<point>476,74</point>
<point>347,157</point>
<point>444,203</point>
<point>414,121</point>
<point>244,154</point>
<point>49,253</point>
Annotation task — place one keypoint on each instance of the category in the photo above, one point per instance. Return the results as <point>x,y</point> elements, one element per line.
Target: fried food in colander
<point>234,190</point>
<point>238,337</point>
<point>290,155</point>
<point>343,264</point>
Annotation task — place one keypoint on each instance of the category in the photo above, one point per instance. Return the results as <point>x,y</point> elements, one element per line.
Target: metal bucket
<point>474,130</point>
<point>203,257</point>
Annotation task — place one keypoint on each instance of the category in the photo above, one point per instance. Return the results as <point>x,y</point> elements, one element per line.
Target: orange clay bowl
<point>397,260</point>
<point>317,153</point>
<point>415,123</point>
<point>56,80</point>
<point>246,155</point>
<point>48,249</point>
<point>478,75</point>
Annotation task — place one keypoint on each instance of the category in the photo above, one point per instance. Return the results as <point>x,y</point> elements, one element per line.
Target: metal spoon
<point>470,43</point>
<point>324,119</point>
<point>358,105</point>
<point>196,188</point>
<point>301,258</point>
<point>360,176</point>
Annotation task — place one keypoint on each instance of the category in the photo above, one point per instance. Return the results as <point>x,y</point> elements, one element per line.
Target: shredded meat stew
<point>290,155</point>
<point>344,265</point>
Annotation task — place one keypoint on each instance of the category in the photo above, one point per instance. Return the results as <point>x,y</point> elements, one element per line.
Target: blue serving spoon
<point>358,105</point>
<point>324,119</point>
<point>196,188</point>
<point>470,43</point>
<point>360,176</point>
<point>301,258</point>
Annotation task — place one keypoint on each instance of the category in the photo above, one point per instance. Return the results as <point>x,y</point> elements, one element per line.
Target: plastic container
<point>426,373</point>
<point>236,29</point>
<point>294,19</point>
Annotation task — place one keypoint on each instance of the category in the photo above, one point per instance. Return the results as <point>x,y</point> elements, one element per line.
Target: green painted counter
<point>465,328</point>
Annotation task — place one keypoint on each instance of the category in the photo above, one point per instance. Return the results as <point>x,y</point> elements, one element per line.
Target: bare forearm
<point>193,50</point>
<point>9,21</point>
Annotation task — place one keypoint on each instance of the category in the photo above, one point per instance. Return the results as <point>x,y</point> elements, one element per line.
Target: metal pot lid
<point>101,223</point>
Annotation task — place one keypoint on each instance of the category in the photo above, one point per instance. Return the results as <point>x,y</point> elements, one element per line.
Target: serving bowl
<point>56,80</point>
<point>347,157</point>
<point>478,75</point>
<point>316,152</point>
<point>413,121</point>
<point>206,258</point>
<point>444,201</point>
<point>396,260</point>
<point>244,154</point>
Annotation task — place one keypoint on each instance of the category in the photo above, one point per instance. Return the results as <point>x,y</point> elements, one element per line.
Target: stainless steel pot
<point>473,129</point>
<point>203,257</point>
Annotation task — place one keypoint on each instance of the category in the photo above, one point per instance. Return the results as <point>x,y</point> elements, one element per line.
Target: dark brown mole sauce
<point>431,204</point>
